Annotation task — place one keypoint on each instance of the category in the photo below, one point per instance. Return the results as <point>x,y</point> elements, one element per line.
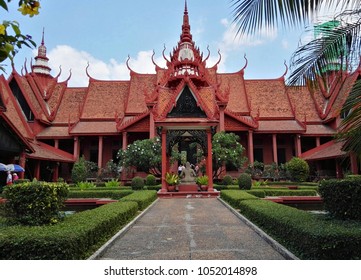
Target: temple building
<point>45,126</point>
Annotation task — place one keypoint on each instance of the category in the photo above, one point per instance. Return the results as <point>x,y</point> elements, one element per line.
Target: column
<point>151,126</point>
<point>298,145</point>
<point>209,161</point>
<point>274,148</point>
<point>125,140</point>
<point>56,171</point>
<point>250,147</point>
<point>124,147</point>
<point>339,172</point>
<point>164,160</point>
<point>100,152</point>
<point>353,160</point>
<point>37,170</point>
<point>221,119</point>
<point>22,161</point>
<point>76,148</point>
<point>56,143</point>
<point>318,141</point>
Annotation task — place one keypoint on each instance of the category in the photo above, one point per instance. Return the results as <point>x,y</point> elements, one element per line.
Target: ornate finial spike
<point>42,39</point>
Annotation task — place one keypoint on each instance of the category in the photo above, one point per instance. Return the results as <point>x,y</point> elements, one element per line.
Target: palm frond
<point>339,47</point>
<point>350,128</point>
<point>251,16</point>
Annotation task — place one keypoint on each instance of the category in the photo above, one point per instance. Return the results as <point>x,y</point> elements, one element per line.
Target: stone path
<point>190,229</point>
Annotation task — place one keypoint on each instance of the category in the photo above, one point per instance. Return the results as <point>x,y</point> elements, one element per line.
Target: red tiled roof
<point>139,85</point>
<point>234,84</point>
<point>46,152</point>
<point>303,104</point>
<point>13,111</point>
<point>280,126</point>
<point>54,132</point>
<point>70,106</point>
<point>331,149</point>
<point>268,98</point>
<point>105,99</point>
<point>94,127</point>
<point>319,129</point>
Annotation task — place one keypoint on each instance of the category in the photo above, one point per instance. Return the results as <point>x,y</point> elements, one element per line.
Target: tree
<point>226,150</point>
<point>310,62</point>
<point>11,38</point>
<point>145,155</point>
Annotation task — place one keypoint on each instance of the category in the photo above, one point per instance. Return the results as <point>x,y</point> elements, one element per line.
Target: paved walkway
<point>189,229</point>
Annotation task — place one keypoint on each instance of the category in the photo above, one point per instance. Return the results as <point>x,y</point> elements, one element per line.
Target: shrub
<point>85,185</point>
<point>227,180</point>
<point>298,169</point>
<point>150,180</point>
<point>245,181</point>
<point>233,197</point>
<point>342,197</point>
<point>112,184</point>
<point>35,203</point>
<point>113,194</point>
<point>137,183</point>
<point>143,198</point>
<point>73,239</point>
<point>79,172</point>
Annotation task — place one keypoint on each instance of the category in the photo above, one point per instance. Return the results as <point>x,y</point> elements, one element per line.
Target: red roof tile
<point>280,126</point>
<point>331,149</point>
<point>54,132</point>
<point>70,106</point>
<point>319,130</point>
<point>105,99</point>
<point>140,84</point>
<point>268,98</point>
<point>46,152</point>
<point>94,127</point>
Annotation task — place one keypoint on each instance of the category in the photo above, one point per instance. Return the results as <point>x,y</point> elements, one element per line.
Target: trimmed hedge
<point>307,235</point>
<point>233,197</point>
<point>342,198</point>
<point>113,194</point>
<point>153,188</point>
<point>77,237</point>
<point>143,198</point>
<point>286,192</point>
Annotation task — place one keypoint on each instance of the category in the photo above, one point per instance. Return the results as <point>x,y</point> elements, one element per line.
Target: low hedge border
<point>308,236</point>
<point>113,194</point>
<point>73,239</point>
<point>143,198</point>
<point>233,197</point>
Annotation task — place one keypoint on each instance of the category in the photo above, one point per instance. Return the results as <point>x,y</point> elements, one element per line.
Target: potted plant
<point>202,182</point>
<point>172,180</point>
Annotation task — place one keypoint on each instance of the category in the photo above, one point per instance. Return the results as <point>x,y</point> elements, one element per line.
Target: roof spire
<point>186,35</point>
<point>41,60</point>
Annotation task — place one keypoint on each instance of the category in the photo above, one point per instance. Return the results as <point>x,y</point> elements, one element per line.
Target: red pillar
<point>250,147</point>
<point>164,160</point>
<point>37,170</point>
<point>318,141</point>
<point>339,172</point>
<point>124,147</point>
<point>221,119</point>
<point>76,148</point>
<point>56,143</point>
<point>209,161</point>
<point>274,147</point>
<point>55,171</point>
<point>151,126</point>
<point>354,167</point>
<point>100,152</point>
<point>22,160</point>
<point>298,145</point>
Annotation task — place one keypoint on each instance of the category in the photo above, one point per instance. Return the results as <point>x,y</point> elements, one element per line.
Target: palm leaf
<point>341,44</point>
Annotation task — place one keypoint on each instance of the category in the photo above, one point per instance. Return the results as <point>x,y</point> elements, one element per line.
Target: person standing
<point>9,179</point>
<point>15,177</point>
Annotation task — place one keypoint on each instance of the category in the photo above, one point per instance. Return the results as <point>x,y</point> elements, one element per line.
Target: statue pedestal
<point>188,187</point>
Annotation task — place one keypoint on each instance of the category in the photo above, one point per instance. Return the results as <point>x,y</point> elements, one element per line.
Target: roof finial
<point>186,28</point>
<point>42,39</point>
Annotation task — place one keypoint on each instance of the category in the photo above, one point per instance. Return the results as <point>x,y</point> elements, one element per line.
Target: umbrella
<point>11,167</point>
<point>15,168</point>
<point>3,167</point>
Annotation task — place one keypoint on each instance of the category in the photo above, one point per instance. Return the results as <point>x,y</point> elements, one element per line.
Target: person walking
<point>9,179</point>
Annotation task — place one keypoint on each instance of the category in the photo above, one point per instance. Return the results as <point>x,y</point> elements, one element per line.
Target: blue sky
<point>105,32</point>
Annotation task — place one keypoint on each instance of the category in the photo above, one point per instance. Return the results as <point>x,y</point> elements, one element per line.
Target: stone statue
<point>188,175</point>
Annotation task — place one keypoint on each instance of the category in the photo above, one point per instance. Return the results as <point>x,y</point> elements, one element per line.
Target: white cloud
<point>70,58</point>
